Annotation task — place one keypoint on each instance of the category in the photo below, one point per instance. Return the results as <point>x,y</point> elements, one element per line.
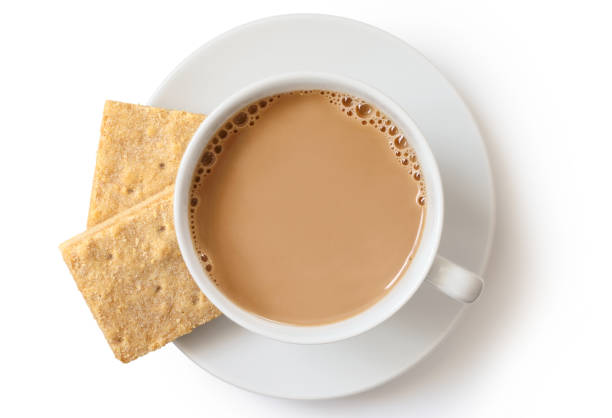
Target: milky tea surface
<point>307,207</point>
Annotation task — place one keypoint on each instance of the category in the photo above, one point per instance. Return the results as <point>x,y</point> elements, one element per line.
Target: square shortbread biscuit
<point>139,153</point>
<point>131,274</point>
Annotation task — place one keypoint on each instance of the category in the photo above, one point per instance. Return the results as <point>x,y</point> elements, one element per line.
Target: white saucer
<point>337,45</point>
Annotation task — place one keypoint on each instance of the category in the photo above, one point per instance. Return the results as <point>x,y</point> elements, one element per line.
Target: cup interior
<point>405,286</point>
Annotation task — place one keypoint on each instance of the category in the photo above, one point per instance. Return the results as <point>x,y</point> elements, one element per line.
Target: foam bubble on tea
<point>307,207</point>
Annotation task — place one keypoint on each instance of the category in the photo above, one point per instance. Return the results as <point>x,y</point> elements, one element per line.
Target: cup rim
<point>402,290</point>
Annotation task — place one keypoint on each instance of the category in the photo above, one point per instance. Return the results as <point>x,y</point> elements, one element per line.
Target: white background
<point>535,74</point>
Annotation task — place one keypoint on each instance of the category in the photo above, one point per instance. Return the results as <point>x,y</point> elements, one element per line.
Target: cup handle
<point>455,281</point>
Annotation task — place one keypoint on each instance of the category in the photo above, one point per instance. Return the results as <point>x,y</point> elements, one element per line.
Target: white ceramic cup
<point>426,265</point>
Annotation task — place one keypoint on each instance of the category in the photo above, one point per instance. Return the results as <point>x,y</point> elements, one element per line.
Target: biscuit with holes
<point>131,274</point>
<point>138,155</point>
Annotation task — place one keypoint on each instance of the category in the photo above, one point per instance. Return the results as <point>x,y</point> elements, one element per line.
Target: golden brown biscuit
<point>139,153</point>
<point>131,274</point>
